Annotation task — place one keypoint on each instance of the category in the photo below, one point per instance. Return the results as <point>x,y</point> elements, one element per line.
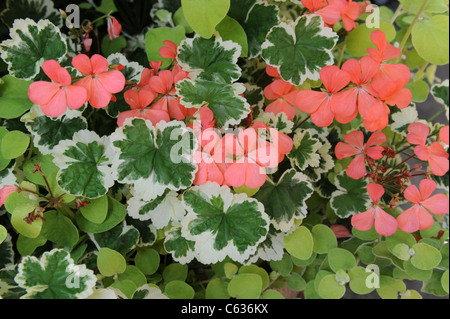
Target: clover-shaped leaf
<point>299,50</point>
<point>154,158</point>
<point>47,132</point>
<point>223,224</point>
<point>285,200</point>
<point>54,276</point>
<point>84,164</point>
<point>30,45</point>
<point>351,196</point>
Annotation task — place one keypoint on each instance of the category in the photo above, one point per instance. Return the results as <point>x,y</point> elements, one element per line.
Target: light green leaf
<point>283,266</point>
<point>324,239</point>
<point>358,40</point>
<point>434,285</point>
<point>14,99</point>
<point>415,273</point>
<point>134,274</point>
<point>296,282</point>
<point>300,243</point>
<point>230,29</point>
<point>122,238</point>
<point>26,246</point>
<point>434,6</point>
<point>419,90</point>
<point>430,39</point>
<point>175,272</point>
<point>425,257</point>
<point>17,220</point>
<point>3,234</point>
<point>154,41</point>
<point>285,201</point>
<point>329,288</point>
<point>203,16</point>
<point>110,262</point>
<point>390,287</point>
<point>47,167</point>
<point>245,286</point>
<point>358,280</point>
<point>254,269</point>
<point>444,281</point>
<point>400,243</point>
<point>299,50</point>
<point>59,229</point>
<point>125,287</point>
<point>14,144</point>
<point>97,210</point>
<point>340,258</point>
<point>147,260</point>
<point>54,276</point>
<point>222,223</point>
<point>217,289</point>
<point>30,45</point>
<point>180,19</point>
<point>179,290</point>
<point>230,270</point>
<point>154,158</point>
<point>84,164</point>
<point>351,196</point>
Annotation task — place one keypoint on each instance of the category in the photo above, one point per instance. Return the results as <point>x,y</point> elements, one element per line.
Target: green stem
<point>341,53</point>
<point>436,115</point>
<point>397,13</point>
<point>409,30</point>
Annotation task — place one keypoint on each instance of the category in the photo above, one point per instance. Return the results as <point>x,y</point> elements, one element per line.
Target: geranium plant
<point>223,149</point>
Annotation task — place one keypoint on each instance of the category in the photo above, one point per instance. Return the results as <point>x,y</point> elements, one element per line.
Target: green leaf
<point>126,286</point>
<point>14,99</point>
<point>425,257</point>
<point>60,230</point>
<point>305,152</point>
<point>180,19</point>
<point>299,50</point>
<point>324,239</point>
<point>182,250</point>
<point>217,289</point>
<point>358,280</point>
<point>351,196</point>
<point>133,274</point>
<point>224,100</point>
<point>116,213</point>
<point>420,90</point>
<point>245,286</point>
<point>271,248</point>
<point>14,144</point>
<point>300,243</point>
<point>253,269</point>
<point>390,287</point>
<point>36,10</point>
<point>330,288</point>
<point>230,30</point>
<point>154,39</point>
<point>271,294</point>
<point>203,16</point>
<point>84,164</point>
<point>26,246</point>
<point>179,290</point>
<point>415,273</point>
<point>434,285</point>
<point>284,266</point>
<point>285,201</point>
<point>55,276</point>
<point>21,226</point>
<point>122,238</point>
<point>30,45</point>
<point>147,260</point>
<point>430,39</point>
<point>4,162</point>
<point>230,270</point>
<point>113,46</point>
<point>381,250</point>
<point>444,281</point>
<point>358,40</point>
<point>223,224</point>
<point>110,262</point>
<point>434,6</point>
<point>175,272</point>
<point>96,210</point>
<point>400,243</point>
<point>6,249</point>
<point>296,282</point>
<point>3,234</point>
<point>340,258</point>
<point>47,167</point>
<point>441,93</point>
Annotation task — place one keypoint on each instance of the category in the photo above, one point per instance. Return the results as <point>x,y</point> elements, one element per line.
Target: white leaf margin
<point>72,268</point>
<point>204,243</point>
<point>22,25</point>
<point>314,161</point>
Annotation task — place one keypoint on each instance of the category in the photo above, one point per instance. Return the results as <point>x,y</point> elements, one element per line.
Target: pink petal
<point>280,106</point>
<point>412,194</point>
<point>156,116</point>
<point>308,101</point>
<point>5,191</point>
<point>100,97</point>
<point>162,83</point>
<point>443,134</point>
<point>437,204</point>
<point>333,78</point>
<point>99,64</point>
<point>376,191</point>
<point>82,63</point>
<point>132,98</point>
<point>235,175</point>
<point>376,138</point>
<point>42,92</point>
<point>408,221</point>
<point>344,150</point>
<point>86,83</point>
<point>343,104</point>
<point>369,107</point>
<point>357,167</point>
<point>364,221</point>
<point>56,106</point>
<point>375,152</point>
<point>421,152</point>
<point>176,110</point>
<point>385,224</point>
<point>255,176</point>
<point>113,81</point>
<point>340,231</point>
<point>76,96</point>
<point>427,187</point>
<point>355,138</point>
<point>323,116</point>
<point>124,115</point>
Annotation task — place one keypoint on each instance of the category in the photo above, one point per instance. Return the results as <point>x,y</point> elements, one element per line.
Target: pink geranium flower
<point>99,82</point>
<point>385,224</point>
<point>114,28</point>
<point>435,154</point>
<point>354,145</point>
<point>443,135</point>
<point>169,50</point>
<point>283,95</point>
<point>54,97</point>
<point>5,191</point>
<point>418,217</point>
<point>320,104</point>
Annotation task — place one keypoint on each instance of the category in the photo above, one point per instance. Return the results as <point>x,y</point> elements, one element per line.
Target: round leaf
<point>430,39</point>
<point>329,288</point>
<point>154,41</point>
<point>444,281</point>
<point>358,40</point>
<point>179,290</point>
<point>97,210</point>
<point>14,99</point>
<point>147,260</point>
<point>175,272</point>
<point>324,239</point>
<point>359,279</point>
<point>300,243</point>
<point>3,233</point>
<point>340,258</point>
<point>230,29</point>
<point>110,262</point>
<point>425,256</point>
<point>14,144</point>
<point>17,220</point>
<point>217,289</point>
<point>245,286</point>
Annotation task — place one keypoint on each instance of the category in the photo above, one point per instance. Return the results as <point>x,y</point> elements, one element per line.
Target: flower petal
<point>112,81</point>
<point>376,191</point>
<point>363,221</point>
<point>41,92</point>
<point>82,63</point>
<point>437,204</point>
<point>56,106</point>
<point>357,167</point>
<point>308,101</point>
<point>412,194</point>
<point>385,224</point>
<point>76,96</point>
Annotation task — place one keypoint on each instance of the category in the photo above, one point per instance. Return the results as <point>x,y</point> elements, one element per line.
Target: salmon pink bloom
<point>99,82</point>
<point>164,83</point>
<point>251,156</point>
<point>385,224</point>
<point>418,217</point>
<point>204,120</point>
<point>443,135</point>
<point>281,142</point>
<point>334,10</point>
<point>354,145</point>
<point>54,97</point>
<point>314,5</point>
<point>114,28</point>
<point>272,71</point>
<point>283,95</point>
<point>321,104</point>
<point>5,191</point>
<point>169,50</point>
<point>435,154</point>
<point>139,100</point>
